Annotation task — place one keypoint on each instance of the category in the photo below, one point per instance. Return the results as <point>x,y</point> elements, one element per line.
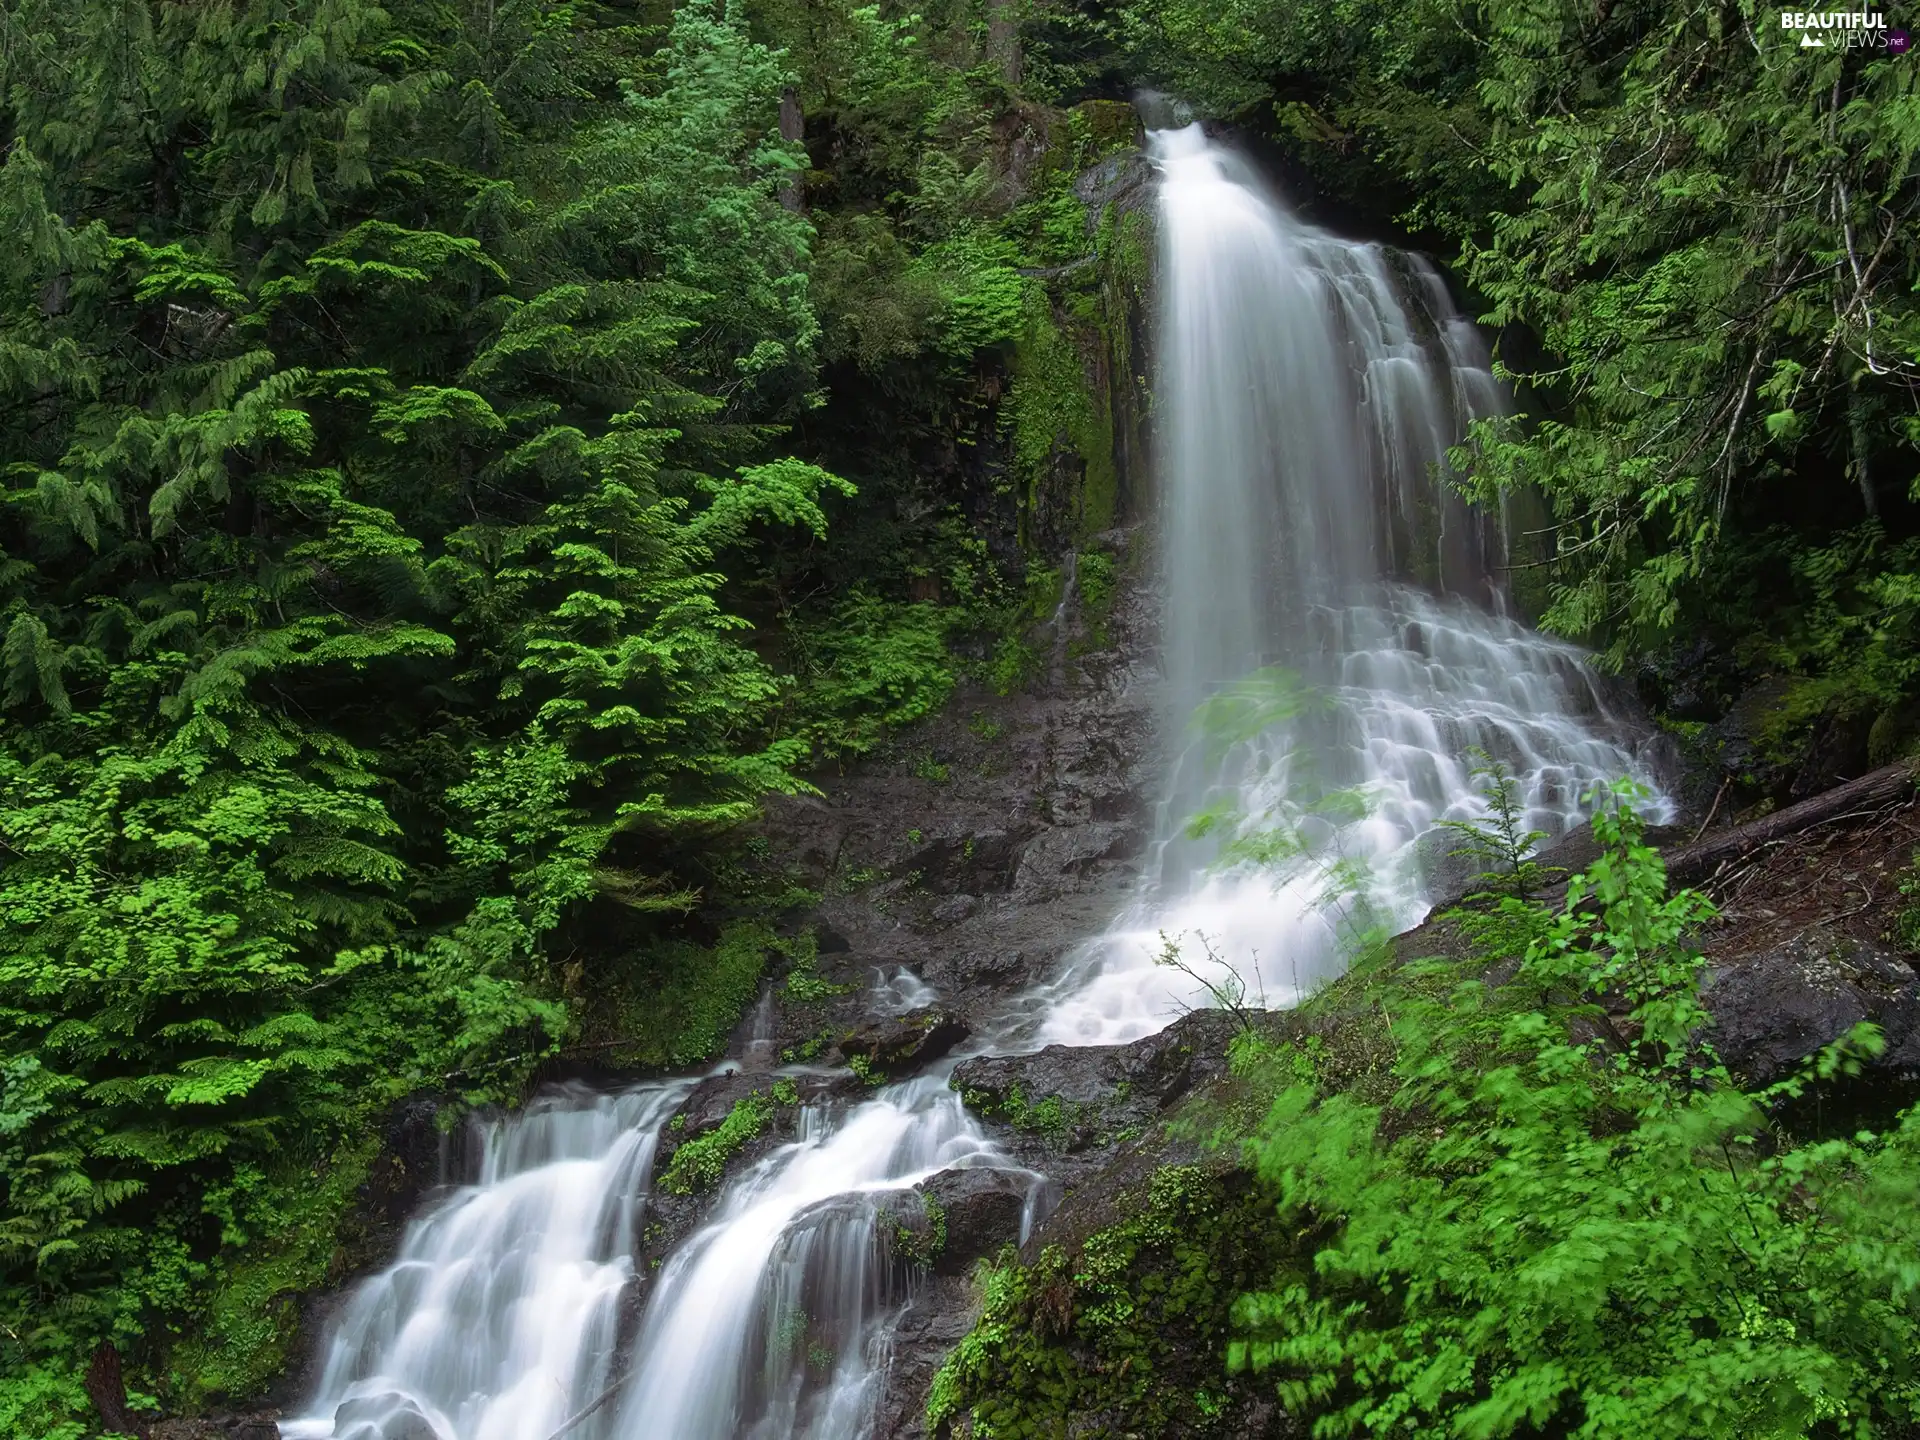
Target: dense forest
<point>462,456</point>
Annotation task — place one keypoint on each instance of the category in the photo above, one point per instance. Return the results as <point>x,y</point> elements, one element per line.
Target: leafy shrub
<point>871,669</point>
<point>1560,1225</point>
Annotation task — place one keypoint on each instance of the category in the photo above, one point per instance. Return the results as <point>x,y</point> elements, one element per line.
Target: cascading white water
<point>768,1324</point>
<point>501,1318</point>
<point>1327,602</point>
<point>1308,390</point>
<point>503,1308</point>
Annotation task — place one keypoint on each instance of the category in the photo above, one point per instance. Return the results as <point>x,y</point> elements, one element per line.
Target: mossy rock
<point>1108,124</point>
<point>1125,1334</point>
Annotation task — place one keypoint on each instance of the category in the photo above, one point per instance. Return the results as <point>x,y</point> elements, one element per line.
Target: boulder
<point>219,1427</point>
<point>979,1210</point>
<point>1057,859</point>
<point>1738,739</point>
<point>897,1045</point>
<point>1074,1097</point>
<point>712,1100</point>
<point>383,1417</point>
<point>1776,1009</point>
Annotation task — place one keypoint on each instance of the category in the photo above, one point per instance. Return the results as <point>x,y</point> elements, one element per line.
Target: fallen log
<point>1889,785</point>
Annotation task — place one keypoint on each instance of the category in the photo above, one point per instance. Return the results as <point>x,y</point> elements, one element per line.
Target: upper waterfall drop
<point>1335,642</point>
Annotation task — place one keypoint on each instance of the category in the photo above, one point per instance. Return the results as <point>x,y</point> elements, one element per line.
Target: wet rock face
<point>1122,183</point>
<point>670,1217</point>
<point>972,1213</point>
<point>382,1417</point>
<point>1066,1100</point>
<point>998,835</point>
<point>257,1426</point>
<point>1775,1010</point>
<point>897,1046</point>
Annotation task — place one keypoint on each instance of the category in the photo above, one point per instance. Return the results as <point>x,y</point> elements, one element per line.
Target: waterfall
<point>502,1317</point>
<point>503,1308</point>
<point>1336,647</point>
<point>1334,616</point>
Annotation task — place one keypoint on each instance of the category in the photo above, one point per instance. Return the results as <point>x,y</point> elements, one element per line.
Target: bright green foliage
<point>1499,843</point>
<point>1712,251</point>
<point>422,545</point>
<point>698,1164</point>
<point>1131,1325</point>
<point>1907,918</point>
<point>1560,1226</point>
<point>874,668</point>
<point>384,402</point>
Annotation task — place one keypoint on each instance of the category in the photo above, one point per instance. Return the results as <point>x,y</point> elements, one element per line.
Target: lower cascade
<point>1336,653</point>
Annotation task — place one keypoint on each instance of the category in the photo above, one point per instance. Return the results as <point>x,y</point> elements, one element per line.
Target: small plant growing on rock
<point>1222,982</point>
<point>1906,921</point>
<point>1500,842</point>
<point>699,1163</point>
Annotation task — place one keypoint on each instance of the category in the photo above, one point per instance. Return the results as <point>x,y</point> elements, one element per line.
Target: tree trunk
<point>1003,39</point>
<point>793,128</point>
<point>1889,785</point>
<point>107,1388</point>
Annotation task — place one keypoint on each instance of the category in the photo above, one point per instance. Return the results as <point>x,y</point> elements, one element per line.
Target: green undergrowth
<point>804,984</point>
<point>1051,1118</point>
<point>674,1003</point>
<point>1128,1328</point>
<point>252,1322</point>
<point>1507,1192</point>
<point>1906,922</point>
<point>919,1245</point>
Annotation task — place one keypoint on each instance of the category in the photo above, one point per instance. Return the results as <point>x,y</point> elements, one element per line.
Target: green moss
<point>809,1049</point>
<point>1906,917</point>
<point>699,1163</point>
<point>252,1319</point>
<point>920,1245</point>
<point>673,1003</point>
<point>804,985</point>
<point>1099,584</point>
<point>1053,409</point>
<point>1052,1118</point>
<point>1134,1326</point>
<point>1106,125</point>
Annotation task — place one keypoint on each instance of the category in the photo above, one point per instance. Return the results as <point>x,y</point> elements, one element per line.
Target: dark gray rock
<point>1775,1010</point>
<point>1693,680</point>
<point>1736,739</point>
<point>1122,182</point>
<point>980,1210</point>
<point>1065,1100</point>
<point>1837,751</point>
<point>898,1045</point>
<point>950,911</point>
<point>976,862</point>
<point>711,1101</point>
<point>1057,859</point>
<point>935,1319</point>
<point>260,1425</point>
<point>382,1417</point>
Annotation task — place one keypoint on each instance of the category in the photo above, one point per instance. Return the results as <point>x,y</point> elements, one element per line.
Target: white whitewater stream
<point>1334,609</point>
